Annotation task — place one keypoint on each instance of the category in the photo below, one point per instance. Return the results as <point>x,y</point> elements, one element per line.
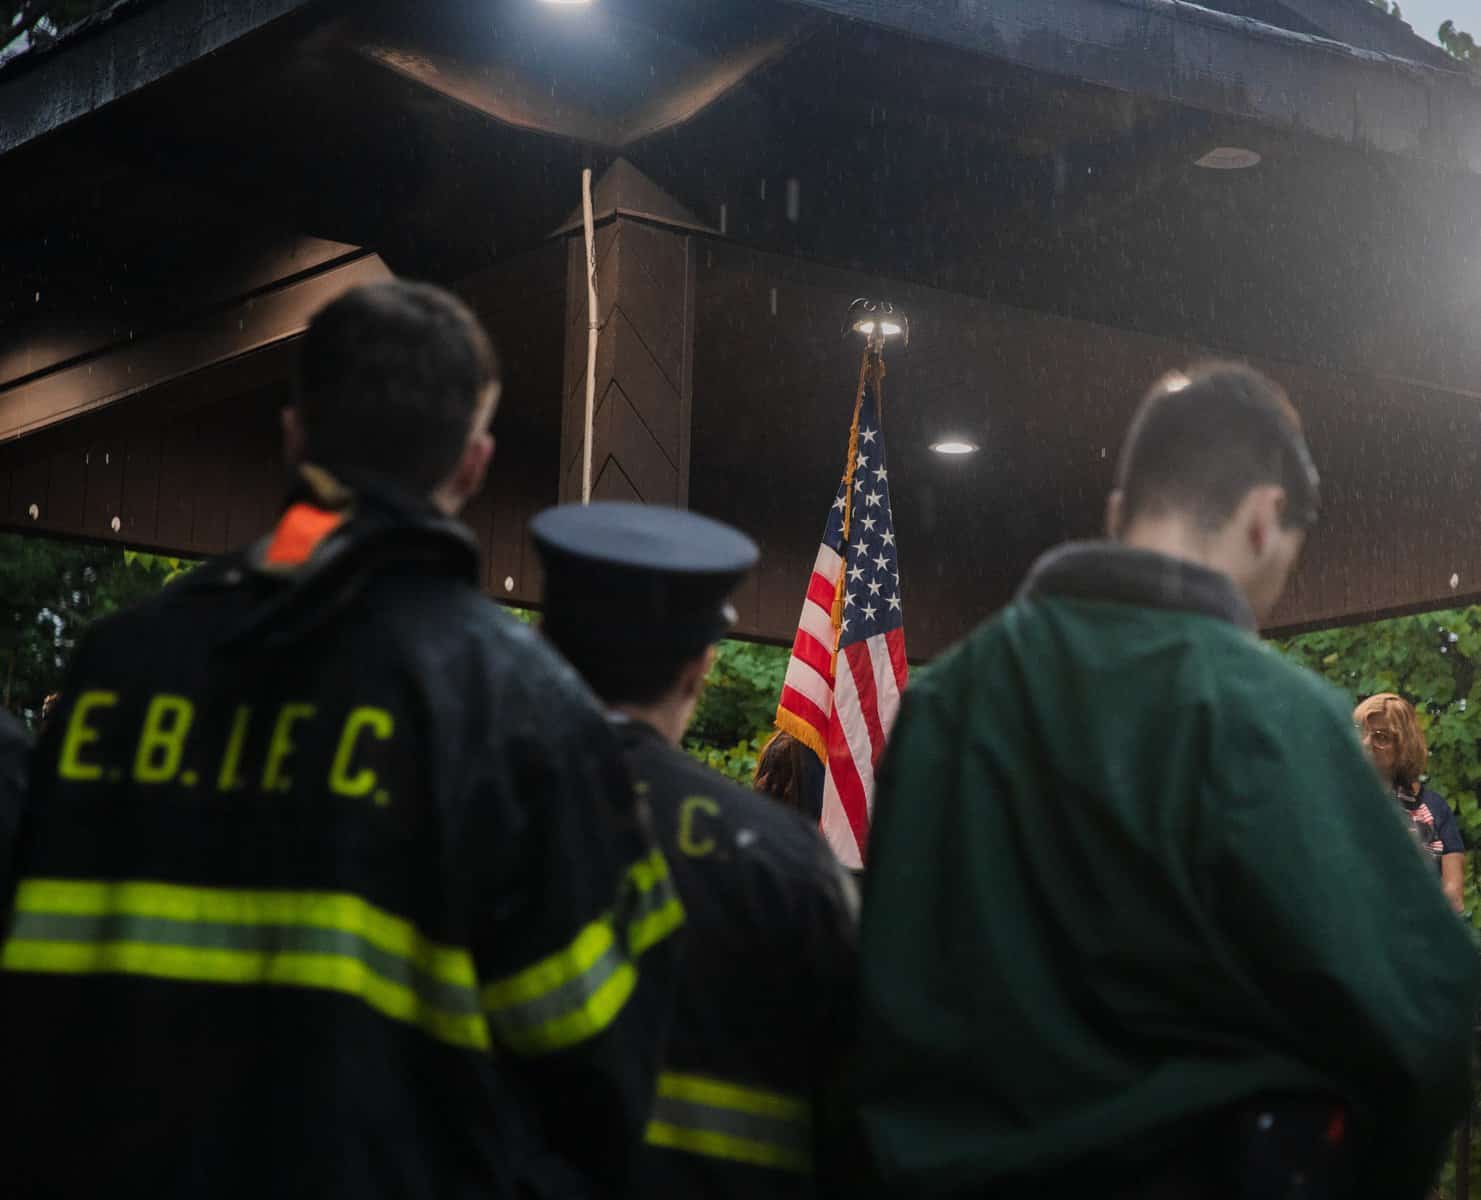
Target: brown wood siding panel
<point>520,487</point>
<point>654,266</point>
<point>139,504</point>
<point>28,484</point>
<point>211,478</point>
<point>478,516</point>
<point>259,478</point>
<point>105,464</point>
<point>66,495</point>
<point>177,480</point>
<point>10,458</point>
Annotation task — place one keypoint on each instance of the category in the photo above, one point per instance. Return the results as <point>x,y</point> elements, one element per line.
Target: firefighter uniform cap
<point>639,576</point>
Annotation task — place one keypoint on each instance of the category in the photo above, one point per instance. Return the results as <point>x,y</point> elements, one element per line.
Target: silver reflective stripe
<point>736,1122</point>
<point>773,1131</point>
<point>567,998</point>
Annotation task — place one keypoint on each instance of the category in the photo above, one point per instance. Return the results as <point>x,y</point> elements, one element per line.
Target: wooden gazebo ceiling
<point>439,144</point>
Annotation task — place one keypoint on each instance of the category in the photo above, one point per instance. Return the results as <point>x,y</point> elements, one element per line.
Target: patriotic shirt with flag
<point>843,706</point>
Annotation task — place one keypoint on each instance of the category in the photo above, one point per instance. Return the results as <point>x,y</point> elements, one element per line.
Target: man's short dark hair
<point>390,377</point>
<point>1203,438</point>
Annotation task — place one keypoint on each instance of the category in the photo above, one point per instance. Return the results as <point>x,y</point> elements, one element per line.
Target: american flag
<point>842,704</point>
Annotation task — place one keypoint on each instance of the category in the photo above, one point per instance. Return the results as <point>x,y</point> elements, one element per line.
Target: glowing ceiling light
<point>1227,158</point>
<point>877,318</point>
<point>953,447</point>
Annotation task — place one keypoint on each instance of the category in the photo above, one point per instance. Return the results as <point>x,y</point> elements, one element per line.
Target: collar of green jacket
<point>1120,574</point>
<point>335,533</point>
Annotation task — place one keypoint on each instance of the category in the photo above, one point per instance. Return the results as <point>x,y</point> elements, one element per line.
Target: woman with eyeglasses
<point>1391,735</point>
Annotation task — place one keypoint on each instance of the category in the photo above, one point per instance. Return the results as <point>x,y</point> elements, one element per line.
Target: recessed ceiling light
<point>954,446</point>
<point>1227,158</point>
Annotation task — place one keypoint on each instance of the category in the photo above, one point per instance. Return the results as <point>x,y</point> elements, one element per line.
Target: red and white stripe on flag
<point>848,668</point>
<point>866,698</point>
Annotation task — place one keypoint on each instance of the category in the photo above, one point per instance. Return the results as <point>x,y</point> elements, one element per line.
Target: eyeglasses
<point>1382,738</point>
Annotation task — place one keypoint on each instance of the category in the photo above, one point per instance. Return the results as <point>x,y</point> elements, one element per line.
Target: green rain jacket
<point>1129,868</point>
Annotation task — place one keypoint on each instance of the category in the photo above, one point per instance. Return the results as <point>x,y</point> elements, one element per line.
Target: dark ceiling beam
<point>121,58</point>
<point>80,329</point>
<point>1211,61</point>
<point>266,319</point>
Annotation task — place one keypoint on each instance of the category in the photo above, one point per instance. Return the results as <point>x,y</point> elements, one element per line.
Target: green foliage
<point>168,568</point>
<point>53,590</point>
<point>1459,45</point>
<point>735,714</point>
<point>737,762</point>
<point>1431,661</point>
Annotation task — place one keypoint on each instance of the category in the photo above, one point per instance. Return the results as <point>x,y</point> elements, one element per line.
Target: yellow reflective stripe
<point>719,1118</point>
<point>646,932</point>
<point>564,999</point>
<point>577,991</point>
<point>552,972</point>
<point>727,1146</point>
<point>719,1093</point>
<point>326,972</point>
<point>176,902</point>
<point>327,940</point>
<point>657,911</point>
<point>648,873</point>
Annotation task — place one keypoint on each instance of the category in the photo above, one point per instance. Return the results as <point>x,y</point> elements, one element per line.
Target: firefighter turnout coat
<point>764,1000</point>
<point>331,883</point>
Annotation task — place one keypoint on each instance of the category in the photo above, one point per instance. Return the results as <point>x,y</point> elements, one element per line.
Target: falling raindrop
<point>509,583</point>
<point>1454,582</point>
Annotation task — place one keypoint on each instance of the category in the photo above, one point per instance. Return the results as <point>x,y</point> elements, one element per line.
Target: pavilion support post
<point>640,428</point>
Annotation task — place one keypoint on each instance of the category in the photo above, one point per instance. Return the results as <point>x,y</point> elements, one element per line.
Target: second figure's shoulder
<point>692,801</point>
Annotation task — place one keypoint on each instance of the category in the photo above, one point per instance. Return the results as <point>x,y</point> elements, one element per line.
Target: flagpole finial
<point>878,320</point>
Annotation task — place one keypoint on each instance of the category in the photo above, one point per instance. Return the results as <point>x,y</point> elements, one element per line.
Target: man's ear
<point>468,476</point>
<point>1259,516</point>
<point>1115,511</point>
<point>294,440</point>
<point>473,467</point>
